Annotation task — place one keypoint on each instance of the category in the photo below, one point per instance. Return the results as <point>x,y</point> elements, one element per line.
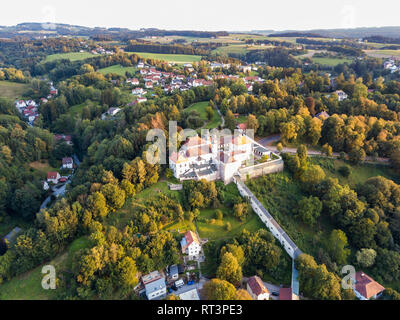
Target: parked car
<point>275,294</point>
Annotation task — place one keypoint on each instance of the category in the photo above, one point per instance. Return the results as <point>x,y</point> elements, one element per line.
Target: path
<point>222,117</point>
<point>291,248</point>
<point>269,141</point>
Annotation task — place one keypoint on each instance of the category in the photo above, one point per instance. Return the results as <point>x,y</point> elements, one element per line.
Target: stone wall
<point>262,169</point>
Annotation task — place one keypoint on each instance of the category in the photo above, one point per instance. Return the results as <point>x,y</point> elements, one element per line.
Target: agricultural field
<point>117,69</point>
<point>331,62</point>
<point>383,53</point>
<point>200,107</point>
<point>172,58</point>
<point>12,90</point>
<point>72,56</point>
<point>28,286</point>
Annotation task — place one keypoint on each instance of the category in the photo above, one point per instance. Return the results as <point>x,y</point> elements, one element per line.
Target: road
<point>269,141</point>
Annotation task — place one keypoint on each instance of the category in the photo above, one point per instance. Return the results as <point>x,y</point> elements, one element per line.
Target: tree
<point>209,113</point>
<point>252,123</point>
<point>345,171</point>
<point>338,246</point>
<point>97,205</point>
<point>217,289</point>
<point>279,147</point>
<point>241,211</point>
<point>309,210</point>
<point>115,196</point>
<point>230,121</point>
<point>242,294</point>
<point>327,149</point>
<point>219,215</point>
<point>366,257</point>
<point>229,269</point>
<point>236,250</point>
<point>127,272</point>
<point>357,155</point>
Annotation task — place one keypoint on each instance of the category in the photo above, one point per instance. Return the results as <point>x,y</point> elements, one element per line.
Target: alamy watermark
<point>49,281</point>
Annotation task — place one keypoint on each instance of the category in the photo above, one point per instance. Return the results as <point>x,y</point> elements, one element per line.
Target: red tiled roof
<point>286,294</point>
<point>367,286</point>
<point>52,175</point>
<point>257,286</point>
<point>191,237</point>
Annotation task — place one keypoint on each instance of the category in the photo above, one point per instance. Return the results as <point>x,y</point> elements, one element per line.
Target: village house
<point>192,295</point>
<point>62,137</point>
<point>191,245</point>
<point>138,91</point>
<point>257,289</point>
<point>155,285</point>
<point>133,81</point>
<point>53,177</point>
<point>141,100</point>
<point>67,163</point>
<point>341,95</point>
<point>366,288</point>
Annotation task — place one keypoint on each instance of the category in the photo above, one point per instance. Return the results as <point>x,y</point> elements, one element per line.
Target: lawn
<point>117,69</point>
<point>28,285</point>
<point>331,62</point>
<point>12,90</point>
<point>200,107</point>
<point>383,53</point>
<point>359,173</point>
<point>72,56</point>
<point>173,58</point>
<point>43,167</point>
<point>77,109</point>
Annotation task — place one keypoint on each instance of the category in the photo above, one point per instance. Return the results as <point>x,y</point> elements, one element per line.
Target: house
<point>62,137</point>
<point>155,285</point>
<point>287,294</point>
<point>173,272</point>
<point>113,111</point>
<point>341,95</point>
<point>141,100</point>
<point>325,115</point>
<point>245,69</point>
<point>149,85</point>
<point>67,163</point>
<point>191,245</point>
<point>192,295</point>
<point>133,81</point>
<point>53,177</point>
<point>366,288</point>
<point>138,91</point>
<point>257,289</point>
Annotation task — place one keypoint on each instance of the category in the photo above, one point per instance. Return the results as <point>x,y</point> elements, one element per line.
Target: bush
<point>345,171</point>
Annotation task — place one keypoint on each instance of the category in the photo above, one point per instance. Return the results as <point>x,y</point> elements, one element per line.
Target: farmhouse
<point>133,81</point>
<point>366,288</point>
<point>190,244</point>
<point>257,289</point>
<point>341,95</point>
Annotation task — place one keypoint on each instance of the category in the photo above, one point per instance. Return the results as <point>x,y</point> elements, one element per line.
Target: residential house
<point>155,285</point>
<point>53,177</point>
<point>341,95</point>
<point>138,91</point>
<point>324,115</point>
<point>67,163</point>
<point>366,288</point>
<point>257,289</point>
<point>149,85</point>
<point>141,99</point>
<point>191,245</point>
<point>242,127</point>
<point>133,81</point>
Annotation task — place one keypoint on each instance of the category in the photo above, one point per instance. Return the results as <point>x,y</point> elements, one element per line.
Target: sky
<point>206,15</point>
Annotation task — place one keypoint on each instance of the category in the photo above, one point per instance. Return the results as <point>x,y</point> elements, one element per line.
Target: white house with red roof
<point>366,288</point>
<point>257,289</point>
<point>53,177</point>
<point>191,245</point>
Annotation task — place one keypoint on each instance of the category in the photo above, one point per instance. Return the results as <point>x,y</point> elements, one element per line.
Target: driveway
<point>272,288</point>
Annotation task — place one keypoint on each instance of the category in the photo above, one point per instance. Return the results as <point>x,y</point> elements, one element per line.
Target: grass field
<point>172,58</point>
<point>383,53</point>
<point>72,56</point>
<point>43,167</point>
<point>331,62</point>
<point>12,90</point>
<point>117,69</point>
<point>28,286</point>
<point>200,107</point>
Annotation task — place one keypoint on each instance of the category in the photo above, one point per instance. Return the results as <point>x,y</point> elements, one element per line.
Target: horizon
<point>210,16</point>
